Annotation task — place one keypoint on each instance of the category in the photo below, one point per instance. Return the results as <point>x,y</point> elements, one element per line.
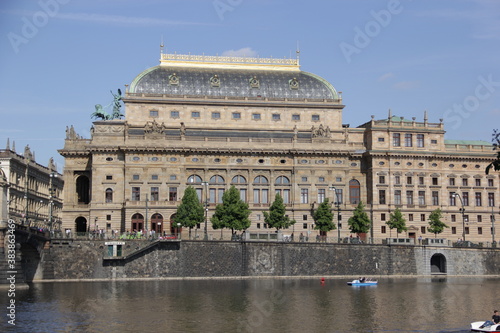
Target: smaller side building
<point>31,194</point>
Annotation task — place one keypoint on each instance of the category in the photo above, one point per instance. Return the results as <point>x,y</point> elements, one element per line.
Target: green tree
<point>232,213</point>
<point>496,146</point>
<point>436,226</point>
<point>276,217</point>
<point>323,218</point>
<point>397,221</point>
<point>190,211</point>
<point>359,222</point>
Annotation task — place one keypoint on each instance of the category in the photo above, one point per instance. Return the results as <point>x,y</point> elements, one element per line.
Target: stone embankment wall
<point>143,259</point>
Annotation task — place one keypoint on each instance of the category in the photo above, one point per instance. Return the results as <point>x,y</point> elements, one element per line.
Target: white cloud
<point>386,76</point>
<point>243,52</point>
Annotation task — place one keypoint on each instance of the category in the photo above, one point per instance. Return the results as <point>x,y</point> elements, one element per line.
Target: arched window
<point>354,191</point>
<point>194,179</point>
<point>157,223</point>
<point>216,180</point>
<point>238,180</point>
<point>282,180</point>
<point>109,195</point>
<point>260,180</point>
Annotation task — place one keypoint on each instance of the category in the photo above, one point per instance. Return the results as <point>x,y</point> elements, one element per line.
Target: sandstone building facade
<point>267,127</point>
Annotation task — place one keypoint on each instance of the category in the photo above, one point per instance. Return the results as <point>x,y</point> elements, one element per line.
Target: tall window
<point>465,182</point>
<point>354,191</point>
<point>478,182</point>
<point>321,195</point>
<point>465,198</point>
<point>435,198</point>
<point>397,180</point>
<point>216,189</point>
<point>491,199</point>
<point>172,194</point>
<point>304,195</point>
<point>490,182</point>
<point>479,201</point>
<point>136,193</point>
<point>421,198</point>
<point>420,140</point>
<point>285,194</point>
<point>396,139</point>
<point>260,195</point>
<point>381,197</point>
<point>109,195</point>
<point>453,200</point>
<point>408,140</point>
<point>397,197</point>
<point>452,181</point>
<point>409,197</point>
<point>155,193</point>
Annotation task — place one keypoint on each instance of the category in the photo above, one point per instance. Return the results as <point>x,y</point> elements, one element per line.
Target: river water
<point>445,304</point>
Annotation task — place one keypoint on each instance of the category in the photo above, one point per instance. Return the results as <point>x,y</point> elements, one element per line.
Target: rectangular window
<point>135,177</point>
<point>382,229</point>
<point>381,139</point>
<point>296,117</point>
<point>154,177</point>
<point>220,193</point>
<point>435,181</point>
<point>109,177</point>
<point>173,177</point>
<point>420,140</point>
<point>215,115</point>
<point>435,198</point>
<point>136,193</point>
<point>286,196</point>
<point>454,230</point>
<point>396,139</point>
<point>304,217</point>
<point>490,182</point>
<point>409,197</point>
<point>212,195</point>
<point>195,114</point>
<point>422,217</point>
<point>478,182</point>
<point>408,140</point>
<point>304,179</point>
<point>304,225</point>
<point>172,194</point>
<point>276,116</point>
<point>304,195</point>
<point>422,230</point>
<point>382,217</point>
<point>466,230</point>
<point>434,142</point>
<point>243,194</point>
<point>420,180</point>
<point>236,115</point>
<point>421,198</point>
<point>479,218</point>
<point>381,197</point>
<point>174,114</point>
<point>381,179</point>
<point>321,195</point>
<point>260,196</point>
<point>453,200</point>
<point>315,117</point>
<point>410,217</point>
<point>465,182</point>
<point>397,197</point>
<point>465,198</point>
<point>256,116</point>
<point>153,113</point>
<point>491,199</point>
<point>409,180</point>
<point>479,230</point>
<point>108,217</point>
<point>479,200</point>
<point>452,181</point>
<point>155,193</point>
<point>397,180</point>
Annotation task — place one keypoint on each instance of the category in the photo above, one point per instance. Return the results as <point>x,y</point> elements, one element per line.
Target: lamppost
<point>337,205</point>
<point>179,233</point>
<point>52,193</point>
<point>462,210</point>
<point>205,184</point>
<point>492,225</point>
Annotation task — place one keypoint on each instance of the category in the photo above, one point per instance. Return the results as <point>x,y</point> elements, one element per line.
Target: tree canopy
<point>276,217</point>
<point>496,146</point>
<point>436,226</point>
<point>190,212</point>
<point>359,221</point>
<point>232,213</point>
<point>397,221</point>
<point>323,217</point>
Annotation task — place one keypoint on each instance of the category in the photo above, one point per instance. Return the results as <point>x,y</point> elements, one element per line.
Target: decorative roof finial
<point>390,114</point>
<point>8,144</point>
<point>425,116</point>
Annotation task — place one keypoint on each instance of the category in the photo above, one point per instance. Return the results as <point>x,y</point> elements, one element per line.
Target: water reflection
<point>257,305</point>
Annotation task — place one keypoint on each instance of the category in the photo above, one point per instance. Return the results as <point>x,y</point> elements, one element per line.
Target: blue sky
<point>58,58</point>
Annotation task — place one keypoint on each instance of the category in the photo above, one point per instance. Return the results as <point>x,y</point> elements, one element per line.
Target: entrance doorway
<point>157,223</point>
<point>137,222</point>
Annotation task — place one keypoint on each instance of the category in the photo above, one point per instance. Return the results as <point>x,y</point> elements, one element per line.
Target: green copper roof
<point>467,142</point>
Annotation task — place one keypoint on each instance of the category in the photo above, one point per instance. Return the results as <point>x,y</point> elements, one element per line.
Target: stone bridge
<point>22,252</point>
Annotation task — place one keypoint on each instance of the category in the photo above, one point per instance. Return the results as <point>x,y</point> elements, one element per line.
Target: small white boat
<point>363,282</point>
<point>477,326</point>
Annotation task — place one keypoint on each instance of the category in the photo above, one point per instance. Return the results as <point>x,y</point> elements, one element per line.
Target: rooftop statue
<point>103,115</point>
